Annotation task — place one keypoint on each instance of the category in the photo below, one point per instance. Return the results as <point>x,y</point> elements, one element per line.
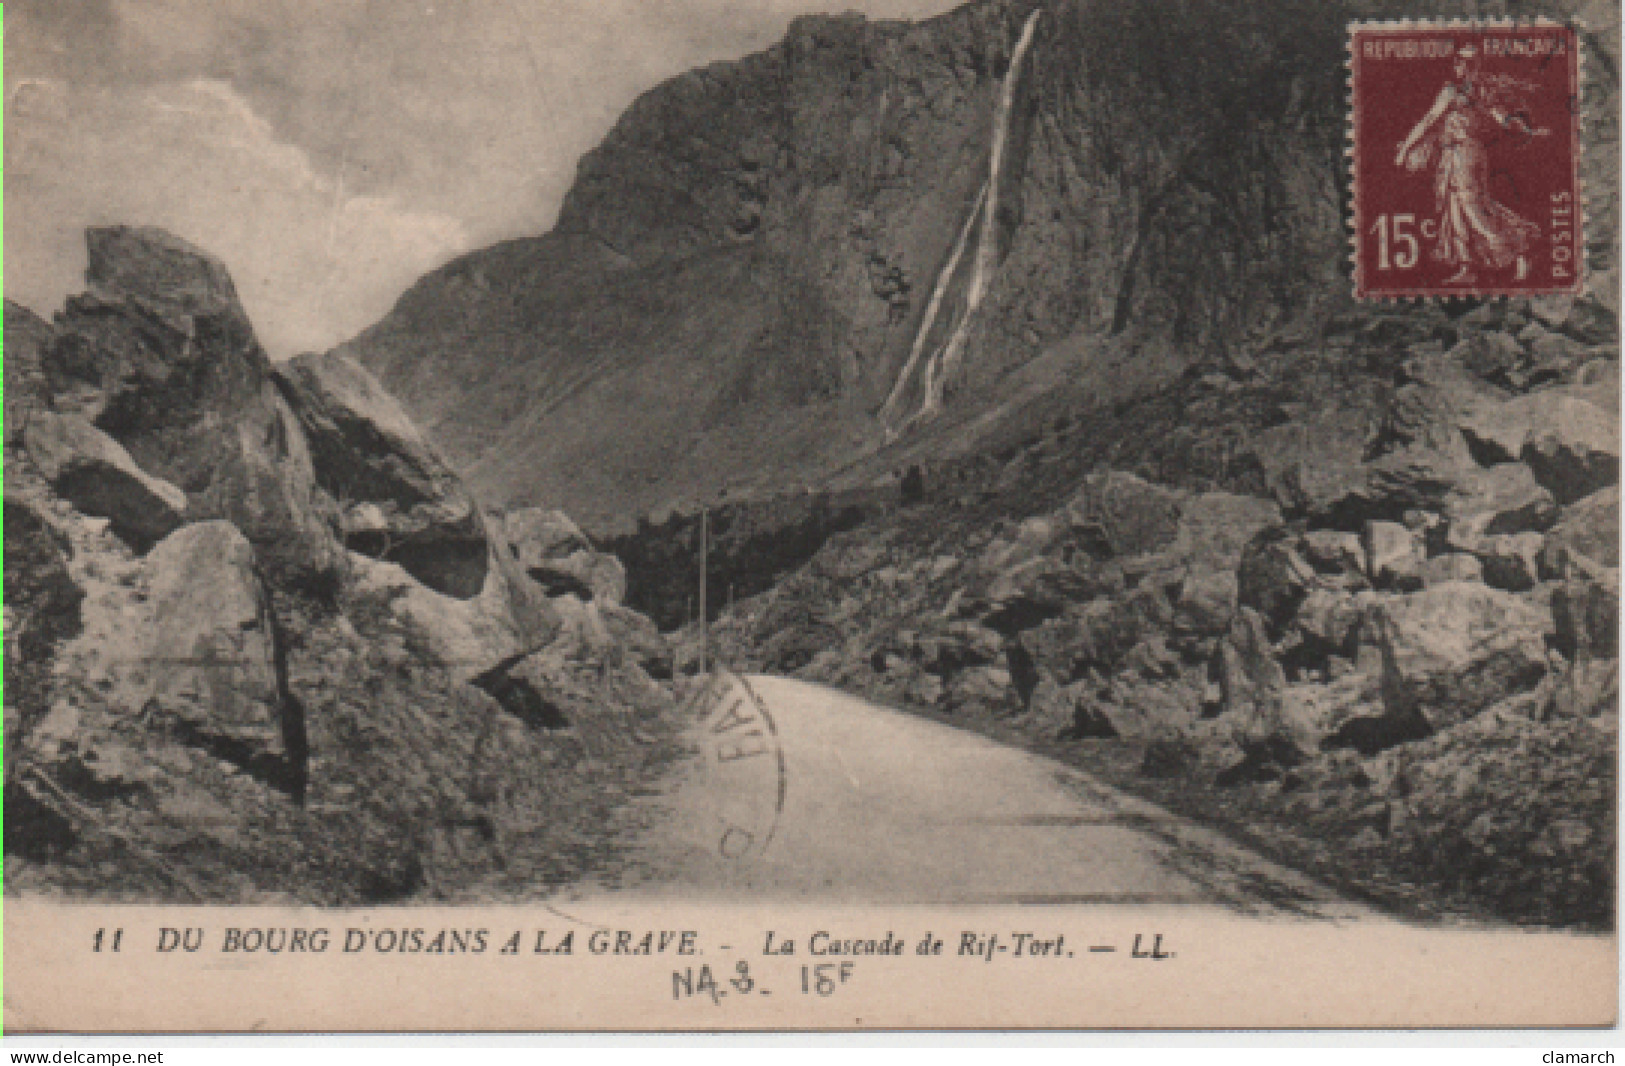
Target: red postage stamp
<point>1465,150</point>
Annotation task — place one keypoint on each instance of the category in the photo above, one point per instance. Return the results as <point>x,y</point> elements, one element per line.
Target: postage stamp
<point>1464,145</point>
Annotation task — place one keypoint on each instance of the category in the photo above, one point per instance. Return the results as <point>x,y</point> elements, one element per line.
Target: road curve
<point>800,792</point>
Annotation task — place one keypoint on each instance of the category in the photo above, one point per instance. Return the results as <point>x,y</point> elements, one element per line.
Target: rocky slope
<point>261,640</point>
<point>1377,633</point>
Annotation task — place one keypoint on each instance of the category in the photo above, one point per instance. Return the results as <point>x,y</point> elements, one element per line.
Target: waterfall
<point>933,307</point>
<point>986,211</point>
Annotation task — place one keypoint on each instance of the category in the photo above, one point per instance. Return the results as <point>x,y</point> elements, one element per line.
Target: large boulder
<point>1206,603</point>
<point>1034,538</point>
<point>539,536</point>
<point>269,492</point>
<point>400,499</point>
<point>1409,480</point>
<point>1501,499</point>
<point>1588,528</point>
<point>210,649</point>
<point>1032,593</point>
<point>1260,732</point>
<point>638,640</point>
<point>508,619</point>
<point>588,574</point>
<point>584,680</point>
<point>1093,638</point>
<point>1216,527</point>
<point>1576,453</point>
<point>1504,499</point>
<point>947,650</point>
<point>1416,478</point>
<point>1333,553</point>
<point>982,690</point>
<point>1331,622</point>
<point>1589,688</point>
<point>1490,355</point>
<point>1128,707</point>
<point>1570,443</point>
<point>1252,684</point>
<point>1427,410</point>
<point>1316,469</point>
<point>1458,566</point>
<point>1344,712</point>
<point>93,472</point>
<point>1553,356</point>
<point>610,635</point>
<point>161,356</point>
<point>1452,650</point>
<point>1511,561</point>
<point>1118,514</point>
<point>553,551</point>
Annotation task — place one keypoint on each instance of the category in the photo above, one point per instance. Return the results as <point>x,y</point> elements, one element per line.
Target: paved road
<point>800,792</point>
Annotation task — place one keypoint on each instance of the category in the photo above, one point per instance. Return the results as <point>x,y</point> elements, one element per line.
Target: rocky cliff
<point>751,256</point>
<point>262,641</point>
<point>874,242</point>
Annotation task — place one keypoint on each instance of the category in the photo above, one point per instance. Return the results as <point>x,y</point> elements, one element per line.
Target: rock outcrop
<point>399,500</point>
<point>553,551</point>
<point>211,654</point>
<point>253,620</point>
<point>160,355</point>
<point>1451,651</point>
<point>93,472</point>
<point>539,536</point>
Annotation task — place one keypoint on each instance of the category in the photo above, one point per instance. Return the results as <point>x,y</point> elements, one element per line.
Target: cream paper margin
<point>1224,971</point>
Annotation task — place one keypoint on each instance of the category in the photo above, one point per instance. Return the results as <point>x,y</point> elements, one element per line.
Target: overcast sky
<point>330,151</point>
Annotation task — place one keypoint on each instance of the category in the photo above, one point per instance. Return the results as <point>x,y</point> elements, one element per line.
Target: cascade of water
<point>987,250</point>
<point>889,411</point>
<point>986,211</point>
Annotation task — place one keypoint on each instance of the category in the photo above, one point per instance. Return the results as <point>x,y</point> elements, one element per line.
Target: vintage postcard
<point>1482,195</point>
<point>706,515</point>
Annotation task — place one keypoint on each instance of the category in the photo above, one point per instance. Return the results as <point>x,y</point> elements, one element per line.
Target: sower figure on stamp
<point>1475,230</point>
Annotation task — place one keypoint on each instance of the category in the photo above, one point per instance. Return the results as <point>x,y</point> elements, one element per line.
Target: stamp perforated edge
<point>1582,284</point>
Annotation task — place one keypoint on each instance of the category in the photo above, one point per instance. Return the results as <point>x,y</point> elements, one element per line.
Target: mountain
<point>770,268</point>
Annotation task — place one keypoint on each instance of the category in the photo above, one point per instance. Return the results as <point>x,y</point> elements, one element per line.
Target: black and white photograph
<point>650,502</point>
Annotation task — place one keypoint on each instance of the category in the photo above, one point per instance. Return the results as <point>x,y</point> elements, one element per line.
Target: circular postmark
<point>744,768</point>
